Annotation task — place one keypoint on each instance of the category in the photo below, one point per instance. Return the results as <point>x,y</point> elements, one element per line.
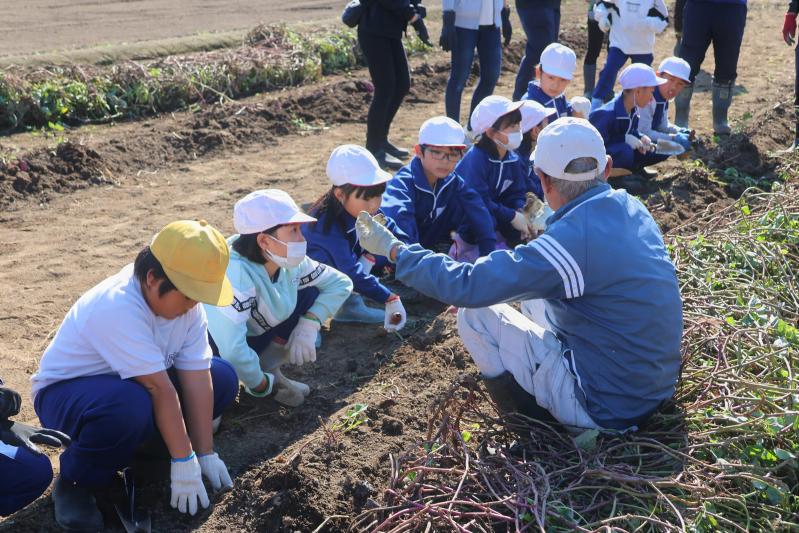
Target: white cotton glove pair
<point>302,342</point>
<point>374,237</point>
<point>642,144</point>
<point>522,224</point>
<point>581,106</point>
<point>394,307</point>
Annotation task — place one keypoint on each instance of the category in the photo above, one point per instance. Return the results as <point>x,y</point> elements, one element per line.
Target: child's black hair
<point>247,245</point>
<point>146,262</point>
<point>488,145</point>
<point>328,203</point>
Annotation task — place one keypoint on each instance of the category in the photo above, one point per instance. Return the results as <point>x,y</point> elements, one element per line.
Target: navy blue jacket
<point>613,122</point>
<point>562,106</point>
<point>339,248</point>
<point>429,216</point>
<point>386,18</point>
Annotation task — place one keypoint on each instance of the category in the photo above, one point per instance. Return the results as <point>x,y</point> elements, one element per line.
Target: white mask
<point>295,253</point>
<point>514,141</point>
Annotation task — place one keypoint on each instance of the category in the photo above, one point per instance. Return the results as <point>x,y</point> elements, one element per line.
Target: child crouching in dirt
<point>281,297</point>
<point>131,361</point>
<point>358,185</point>
<point>428,200</point>
<point>553,76</point>
<point>654,117</point>
<point>497,174</point>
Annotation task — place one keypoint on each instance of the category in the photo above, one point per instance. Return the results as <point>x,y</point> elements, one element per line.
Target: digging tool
<point>132,520</point>
<point>666,147</point>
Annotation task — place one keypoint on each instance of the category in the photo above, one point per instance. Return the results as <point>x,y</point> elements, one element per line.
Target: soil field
<point>74,212</point>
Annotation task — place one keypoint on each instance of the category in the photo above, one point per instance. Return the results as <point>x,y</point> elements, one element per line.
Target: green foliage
<point>354,417</point>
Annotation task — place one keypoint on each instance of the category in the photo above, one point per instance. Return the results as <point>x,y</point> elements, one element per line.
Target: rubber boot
<point>677,44</point>
<point>589,75</point>
<point>399,153</point>
<point>682,106</point>
<point>722,98</point>
<point>510,397</point>
<point>355,310</point>
<point>75,507</point>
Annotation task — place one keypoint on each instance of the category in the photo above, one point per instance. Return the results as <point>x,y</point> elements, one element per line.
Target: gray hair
<point>570,190</point>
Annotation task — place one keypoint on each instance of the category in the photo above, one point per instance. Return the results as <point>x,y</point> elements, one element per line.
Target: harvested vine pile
<point>723,456</point>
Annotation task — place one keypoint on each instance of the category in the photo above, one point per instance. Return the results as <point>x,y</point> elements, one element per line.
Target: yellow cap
<point>195,257</point>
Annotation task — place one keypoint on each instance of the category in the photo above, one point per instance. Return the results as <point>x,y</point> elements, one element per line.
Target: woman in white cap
<point>281,297</point>
<point>553,76</point>
<point>496,173</point>
<point>654,117</point>
<point>358,185</point>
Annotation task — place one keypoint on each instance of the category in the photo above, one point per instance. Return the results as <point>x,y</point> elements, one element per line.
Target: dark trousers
<point>595,39</point>
<point>616,59</point>
<point>108,418</point>
<point>679,7</point>
<point>391,77</point>
<point>625,157</point>
<point>541,25</point>
<point>24,478</point>
<point>721,24</point>
<point>487,41</point>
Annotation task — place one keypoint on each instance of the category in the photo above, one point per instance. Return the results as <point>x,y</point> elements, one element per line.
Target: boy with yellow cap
<point>130,360</point>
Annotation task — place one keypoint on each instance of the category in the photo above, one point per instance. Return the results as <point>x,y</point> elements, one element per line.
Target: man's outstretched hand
<point>374,237</point>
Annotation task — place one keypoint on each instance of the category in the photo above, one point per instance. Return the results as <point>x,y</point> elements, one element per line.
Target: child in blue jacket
<point>358,185</point>
<point>553,76</point>
<point>428,200</point>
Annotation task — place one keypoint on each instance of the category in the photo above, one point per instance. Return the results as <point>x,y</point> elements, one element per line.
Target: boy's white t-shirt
<point>111,330</point>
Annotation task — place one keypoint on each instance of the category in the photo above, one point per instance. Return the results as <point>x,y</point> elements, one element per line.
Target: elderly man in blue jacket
<point>598,345</point>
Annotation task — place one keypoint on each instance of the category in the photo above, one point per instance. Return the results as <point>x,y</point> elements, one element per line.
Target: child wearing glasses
<point>429,200</point>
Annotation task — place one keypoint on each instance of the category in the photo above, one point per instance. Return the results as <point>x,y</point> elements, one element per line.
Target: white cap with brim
<point>489,110</point>
<point>639,75</point>
<point>558,60</point>
<point>533,113</point>
<point>265,209</point>
<point>677,67</point>
<point>442,131</point>
<point>565,140</point>
<point>350,164</point>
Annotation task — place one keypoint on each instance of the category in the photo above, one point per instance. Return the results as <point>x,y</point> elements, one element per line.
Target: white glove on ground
<point>581,106</point>
<point>215,471</point>
<point>302,341</point>
<point>392,307</point>
<point>187,486</point>
<point>522,224</point>
<point>633,141</point>
<point>373,237</point>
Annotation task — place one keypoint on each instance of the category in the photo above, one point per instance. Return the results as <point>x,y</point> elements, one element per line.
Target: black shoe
<point>75,507</point>
<point>647,173</point>
<point>387,161</point>
<point>399,153</point>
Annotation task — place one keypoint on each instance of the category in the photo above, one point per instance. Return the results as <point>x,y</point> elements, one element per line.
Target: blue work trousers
<point>625,157</point>
<point>541,26</point>
<point>23,478</point>
<point>613,64</point>
<point>719,23</point>
<point>487,41</point>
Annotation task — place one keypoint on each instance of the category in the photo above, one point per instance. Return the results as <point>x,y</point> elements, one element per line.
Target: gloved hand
<point>789,28</point>
<point>187,486</point>
<point>374,237</point>
<point>302,341</point>
<point>394,307</point>
<point>581,106</point>
<point>10,402</point>
<point>602,17</point>
<point>648,146</point>
<point>507,29</point>
<point>683,139</point>
<point>633,142</point>
<point>449,38</point>
<point>522,224</point>
<point>604,24</point>
<point>215,471</point>
<point>656,24</point>
<point>25,436</point>
<point>421,31</point>
<point>421,11</point>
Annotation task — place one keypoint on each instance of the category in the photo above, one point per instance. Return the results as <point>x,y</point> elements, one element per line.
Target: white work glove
<point>302,341</point>
<point>540,221</point>
<point>374,237</point>
<point>601,17</point>
<point>187,486</point>
<point>656,24</point>
<point>215,471</point>
<point>647,142</point>
<point>633,142</point>
<point>522,224</point>
<point>394,306</point>
<point>581,106</point>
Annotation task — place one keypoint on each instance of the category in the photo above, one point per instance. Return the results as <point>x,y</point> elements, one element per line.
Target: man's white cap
<point>677,67</point>
<point>350,164</point>
<point>442,131</point>
<point>264,209</point>
<point>533,113</point>
<point>564,140</point>
<point>489,110</point>
<point>639,75</point>
<point>559,60</point>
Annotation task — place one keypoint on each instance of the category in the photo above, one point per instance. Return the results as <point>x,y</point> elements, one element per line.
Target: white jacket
<point>632,29</point>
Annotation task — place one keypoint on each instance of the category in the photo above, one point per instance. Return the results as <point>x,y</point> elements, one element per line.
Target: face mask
<point>295,253</point>
<point>514,140</point>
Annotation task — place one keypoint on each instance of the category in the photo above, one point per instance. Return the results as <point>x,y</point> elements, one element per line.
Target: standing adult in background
<point>722,23</point>
<point>789,33</point>
<point>380,31</point>
<point>470,24</point>
<point>541,23</point>
<point>596,38</point>
<point>679,6</point>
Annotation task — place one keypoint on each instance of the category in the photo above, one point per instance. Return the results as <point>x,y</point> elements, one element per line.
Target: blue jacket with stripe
<point>562,106</point>
<point>428,217</point>
<point>610,292</point>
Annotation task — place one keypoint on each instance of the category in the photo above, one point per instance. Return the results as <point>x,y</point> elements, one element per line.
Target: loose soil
<point>76,212</point>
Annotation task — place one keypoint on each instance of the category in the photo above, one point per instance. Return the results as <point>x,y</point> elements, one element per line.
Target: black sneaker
<point>75,507</point>
<point>387,160</point>
<point>399,153</point>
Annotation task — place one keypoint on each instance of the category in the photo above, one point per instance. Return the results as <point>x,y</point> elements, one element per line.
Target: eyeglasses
<point>455,155</point>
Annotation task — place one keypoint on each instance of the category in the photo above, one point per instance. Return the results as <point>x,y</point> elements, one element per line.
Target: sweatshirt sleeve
<point>477,218</point>
<point>398,204</point>
<point>334,287</point>
<point>645,126</point>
